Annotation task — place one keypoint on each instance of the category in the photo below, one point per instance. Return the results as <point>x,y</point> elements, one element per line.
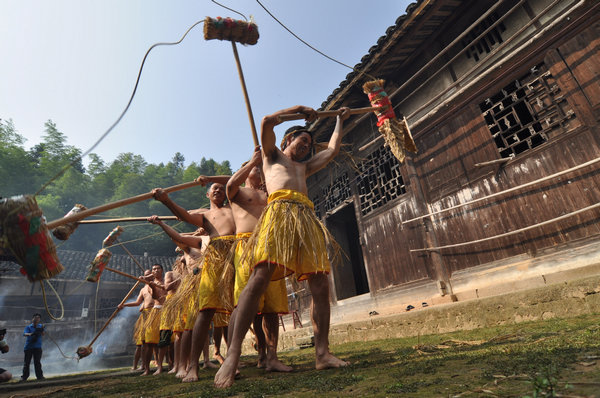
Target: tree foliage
<point>25,171</point>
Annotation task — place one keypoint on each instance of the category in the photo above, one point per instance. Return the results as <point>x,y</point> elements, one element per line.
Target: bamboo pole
<point>131,256</point>
<point>322,114</point>
<point>472,242</point>
<point>125,219</point>
<point>113,205</point>
<point>551,176</point>
<point>245,91</point>
<point>126,275</point>
<point>115,312</point>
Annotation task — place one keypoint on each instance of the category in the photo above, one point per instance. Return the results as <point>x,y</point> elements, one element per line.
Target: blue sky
<point>76,61</point>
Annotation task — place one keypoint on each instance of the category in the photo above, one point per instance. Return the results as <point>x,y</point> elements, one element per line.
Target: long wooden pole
<point>113,205</point>
<point>126,275</point>
<point>517,231</point>
<point>321,114</point>
<point>124,219</point>
<point>245,91</point>
<point>131,256</point>
<point>115,313</point>
<point>528,184</point>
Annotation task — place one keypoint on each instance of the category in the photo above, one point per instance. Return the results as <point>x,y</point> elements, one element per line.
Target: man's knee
<point>319,285</point>
<point>260,277</point>
<point>5,376</point>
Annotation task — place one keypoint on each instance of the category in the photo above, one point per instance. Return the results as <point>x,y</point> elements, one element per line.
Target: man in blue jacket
<point>33,347</point>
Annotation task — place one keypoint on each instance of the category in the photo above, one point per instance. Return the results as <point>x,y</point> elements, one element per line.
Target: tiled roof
<point>77,263</point>
<point>375,49</point>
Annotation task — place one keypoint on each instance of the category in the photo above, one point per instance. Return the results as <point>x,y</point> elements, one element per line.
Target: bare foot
<point>219,358</point>
<point>328,361</point>
<point>226,375</point>
<point>262,361</point>
<point>209,365</point>
<point>173,371</point>
<point>191,376</point>
<point>134,369</point>
<point>275,365</point>
<point>146,372</point>
<point>181,373</point>
<point>158,371</point>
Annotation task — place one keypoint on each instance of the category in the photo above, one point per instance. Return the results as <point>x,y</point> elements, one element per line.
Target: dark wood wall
<point>445,174</point>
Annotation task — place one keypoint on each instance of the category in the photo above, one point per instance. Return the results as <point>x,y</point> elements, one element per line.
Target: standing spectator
<point>5,375</point>
<point>33,347</point>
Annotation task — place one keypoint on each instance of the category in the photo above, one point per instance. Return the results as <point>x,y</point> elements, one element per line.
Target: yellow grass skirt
<point>152,326</point>
<point>290,236</point>
<point>215,290</point>
<point>274,300</point>
<point>138,328</point>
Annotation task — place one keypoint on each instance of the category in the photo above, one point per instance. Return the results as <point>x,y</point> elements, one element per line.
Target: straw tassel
<point>395,133</point>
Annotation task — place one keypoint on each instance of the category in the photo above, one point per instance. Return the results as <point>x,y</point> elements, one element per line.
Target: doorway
<point>349,273</point>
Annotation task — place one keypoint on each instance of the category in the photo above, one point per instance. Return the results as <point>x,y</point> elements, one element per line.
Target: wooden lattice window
<point>527,112</point>
<point>475,48</point>
<point>332,195</point>
<point>379,180</point>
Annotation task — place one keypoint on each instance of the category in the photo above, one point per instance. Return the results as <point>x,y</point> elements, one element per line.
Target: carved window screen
<point>527,112</point>
<point>487,42</point>
<point>379,180</point>
<point>332,195</point>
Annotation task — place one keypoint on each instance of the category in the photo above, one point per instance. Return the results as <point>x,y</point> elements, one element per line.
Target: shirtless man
<point>191,245</point>
<point>152,326</point>
<point>166,341</point>
<point>215,288</point>
<point>286,171</point>
<point>247,204</point>
<point>147,301</point>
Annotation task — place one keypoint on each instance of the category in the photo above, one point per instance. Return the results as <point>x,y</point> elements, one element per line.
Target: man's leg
<point>271,331</point>
<point>320,317</point>
<point>136,357</point>
<point>261,342</point>
<point>176,352</point>
<point>246,309</point>
<point>5,376</point>
<point>161,356</point>
<point>217,335</point>
<point>206,355</point>
<point>184,353</point>
<point>37,363</point>
<point>27,363</point>
<point>199,335</point>
<point>147,351</point>
<point>171,355</point>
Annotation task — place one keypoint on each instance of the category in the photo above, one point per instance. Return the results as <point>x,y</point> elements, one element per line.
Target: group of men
<point>267,231</point>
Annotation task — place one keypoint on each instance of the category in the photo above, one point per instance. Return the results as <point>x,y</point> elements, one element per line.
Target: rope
<point>59,349</point>
<point>96,306</point>
<point>511,232</point>
<point>311,47</point>
<point>231,9</point>
<point>131,256</point>
<point>62,307</point>
<point>64,169</point>
<point>593,161</point>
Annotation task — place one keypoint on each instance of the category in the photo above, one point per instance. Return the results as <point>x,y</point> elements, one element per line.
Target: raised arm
<point>187,240</point>
<point>181,213</point>
<point>233,185</point>
<point>140,300</point>
<point>267,135</point>
<point>171,281</point>
<point>203,180</point>
<point>319,160</point>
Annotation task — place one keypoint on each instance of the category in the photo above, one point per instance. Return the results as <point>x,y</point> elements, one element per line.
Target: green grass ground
<point>535,359</point>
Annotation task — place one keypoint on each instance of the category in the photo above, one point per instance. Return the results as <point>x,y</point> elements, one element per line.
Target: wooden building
<point>497,94</point>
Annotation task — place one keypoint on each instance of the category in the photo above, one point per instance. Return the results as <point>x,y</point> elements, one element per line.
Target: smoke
<point>114,348</point>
